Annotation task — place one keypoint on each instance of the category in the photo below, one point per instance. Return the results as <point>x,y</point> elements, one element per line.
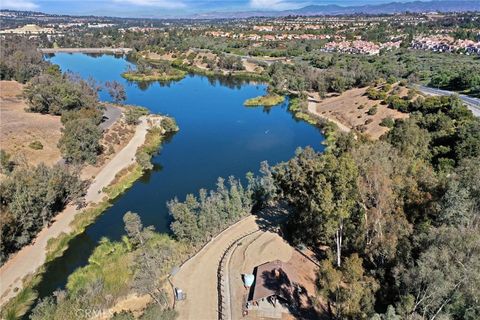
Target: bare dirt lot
<point>350,109</point>
<point>20,128</point>
<point>198,276</point>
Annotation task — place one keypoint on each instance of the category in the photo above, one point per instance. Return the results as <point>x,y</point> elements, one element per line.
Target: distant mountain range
<point>385,8</point>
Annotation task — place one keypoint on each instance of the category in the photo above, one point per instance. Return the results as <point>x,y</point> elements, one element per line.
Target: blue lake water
<point>218,137</point>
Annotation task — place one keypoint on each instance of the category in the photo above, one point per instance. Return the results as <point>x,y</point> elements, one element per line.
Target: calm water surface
<point>218,137</point>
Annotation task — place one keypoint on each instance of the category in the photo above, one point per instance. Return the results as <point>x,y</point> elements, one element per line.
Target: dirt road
<point>31,257</point>
<point>198,276</point>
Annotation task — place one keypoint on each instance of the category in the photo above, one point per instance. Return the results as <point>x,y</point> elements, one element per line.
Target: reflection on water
<point>218,137</point>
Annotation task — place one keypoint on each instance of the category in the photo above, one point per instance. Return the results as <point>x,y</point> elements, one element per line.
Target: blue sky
<point>159,8</point>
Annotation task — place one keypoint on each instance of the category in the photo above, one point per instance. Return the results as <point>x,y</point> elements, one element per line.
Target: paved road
<point>31,257</point>
<point>110,115</point>
<point>472,103</point>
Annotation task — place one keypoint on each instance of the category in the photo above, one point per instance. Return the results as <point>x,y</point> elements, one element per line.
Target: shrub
<point>388,122</point>
<point>391,80</point>
<point>143,159</point>
<point>373,110</point>
<point>6,164</point>
<point>397,103</point>
<point>36,145</point>
<point>169,124</point>
<point>134,113</point>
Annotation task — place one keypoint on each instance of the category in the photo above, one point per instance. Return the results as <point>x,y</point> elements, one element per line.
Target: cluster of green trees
<point>30,198</point>
<point>20,59</point>
<point>444,131</point>
<point>230,62</point>
<point>399,216</point>
<point>466,78</point>
<point>138,263</point>
<point>54,93</point>
<point>76,101</point>
<point>198,219</point>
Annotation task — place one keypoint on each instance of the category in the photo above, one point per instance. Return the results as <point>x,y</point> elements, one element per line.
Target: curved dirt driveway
<point>31,257</point>
<point>198,276</point>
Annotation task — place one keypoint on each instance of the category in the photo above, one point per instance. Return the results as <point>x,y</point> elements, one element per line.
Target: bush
<point>391,80</point>
<point>134,113</point>
<point>375,94</point>
<point>373,110</point>
<point>388,122</point>
<point>36,145</point>
<point>169,124</point>
<point>397,103</point>
<point>92,113</point>
<point>6,164</point>
<point>143,159</point>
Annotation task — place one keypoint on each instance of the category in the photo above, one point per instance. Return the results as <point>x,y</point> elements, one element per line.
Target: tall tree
<point>322,190</point>
<point>80,141</point>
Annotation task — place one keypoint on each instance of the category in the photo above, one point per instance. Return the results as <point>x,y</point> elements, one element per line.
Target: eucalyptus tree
<point>322,190</point>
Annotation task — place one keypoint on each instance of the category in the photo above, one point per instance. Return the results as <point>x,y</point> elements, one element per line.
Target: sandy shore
<point>33,256</point>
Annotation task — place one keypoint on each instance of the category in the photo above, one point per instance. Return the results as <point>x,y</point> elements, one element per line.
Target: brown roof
<point>274,278</point>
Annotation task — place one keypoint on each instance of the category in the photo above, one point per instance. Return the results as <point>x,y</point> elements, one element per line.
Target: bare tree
<point>116,90</point>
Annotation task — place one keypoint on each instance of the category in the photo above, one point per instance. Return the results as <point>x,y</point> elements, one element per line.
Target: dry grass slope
<point>19,129</point>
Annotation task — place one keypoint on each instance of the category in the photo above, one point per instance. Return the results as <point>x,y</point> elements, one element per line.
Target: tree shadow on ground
<point>292,295</point>
<point>272,218</point>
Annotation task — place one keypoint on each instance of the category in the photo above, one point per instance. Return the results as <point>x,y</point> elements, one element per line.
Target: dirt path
<point>312,108</point>
<point>198,276</point>
<point>31,257</point>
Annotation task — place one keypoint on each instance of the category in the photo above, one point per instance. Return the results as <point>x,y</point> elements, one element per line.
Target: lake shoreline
<point>116,177</point>
<point>86,50</point>
<point>193,102</point>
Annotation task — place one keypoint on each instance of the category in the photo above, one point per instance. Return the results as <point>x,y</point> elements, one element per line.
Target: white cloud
<point>18,4</point>
<point>274,4</point>
<point>167,4</point>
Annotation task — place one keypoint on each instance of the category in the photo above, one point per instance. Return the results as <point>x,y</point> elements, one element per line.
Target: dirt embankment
<point>19,129</point>
<point>350,110</point>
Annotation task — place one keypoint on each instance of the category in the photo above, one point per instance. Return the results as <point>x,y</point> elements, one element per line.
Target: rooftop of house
<point>275,278</point>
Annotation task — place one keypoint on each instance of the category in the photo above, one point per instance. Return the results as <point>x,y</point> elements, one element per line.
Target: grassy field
<point>268,100</point>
